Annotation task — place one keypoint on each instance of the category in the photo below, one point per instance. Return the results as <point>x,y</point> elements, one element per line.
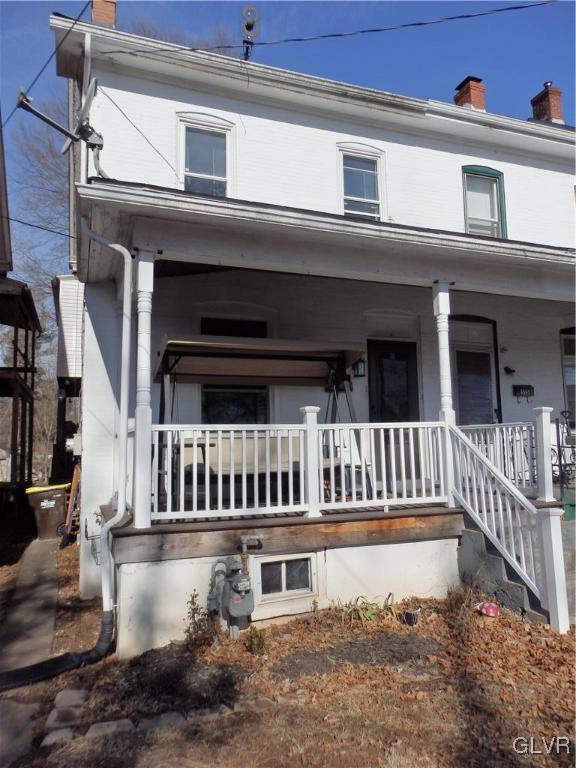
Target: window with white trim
<point>205,161</point>
<point>361,186</point>
<point>484,204</point>
<point>289,576</point>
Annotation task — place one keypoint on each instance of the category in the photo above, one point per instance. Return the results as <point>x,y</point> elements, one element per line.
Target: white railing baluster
<point>383,465</point>
<point>267,470</point>
<point>255,437</point>
<point>421,437</point>
<point>393,466</point>
<point>412,464</point>
<point>182,500</point>
<point>330,437</point>
<point>290,469</point>
<point>207,451</point>
<point>352,443</point>
<point>278,469</point>
<point>195,472</point>
<point>169,453</point>
<point>373,478</point>
<point>244,472</point>
<point>401,447</point>
<point>232,480</point>
<point>155,472</point>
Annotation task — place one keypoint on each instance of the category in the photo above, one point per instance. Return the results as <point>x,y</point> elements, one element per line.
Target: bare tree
<point>40,196</point>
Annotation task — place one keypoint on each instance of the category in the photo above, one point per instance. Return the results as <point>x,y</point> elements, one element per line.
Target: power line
<point>133,124</point>
<point>37,226</point>
<point>48,60</point>
<point>336,35</point>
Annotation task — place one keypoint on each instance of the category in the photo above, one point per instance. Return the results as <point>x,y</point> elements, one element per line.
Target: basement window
<point>484,207</point>
<point>289,576</point>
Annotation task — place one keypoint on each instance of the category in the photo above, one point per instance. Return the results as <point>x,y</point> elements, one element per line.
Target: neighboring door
<point>474,386</point>
<point>392,380</point>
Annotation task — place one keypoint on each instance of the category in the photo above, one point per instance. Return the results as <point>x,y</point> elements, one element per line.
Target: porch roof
<point>212,359</point>
<point>228,232</point>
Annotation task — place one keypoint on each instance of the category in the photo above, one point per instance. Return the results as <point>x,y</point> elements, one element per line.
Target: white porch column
<point>143,415</point>
<point>441,297</point>
<point>441,301</point>
<point>311,480</point>
<point>544,454</point>
<point>552,554</point>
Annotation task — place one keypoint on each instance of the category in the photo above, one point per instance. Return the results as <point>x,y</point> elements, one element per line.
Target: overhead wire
<point>49,59</point>
<point>38,226</point>
<point>337,35</point>
<point>310,38</point>
<point>133,124</point>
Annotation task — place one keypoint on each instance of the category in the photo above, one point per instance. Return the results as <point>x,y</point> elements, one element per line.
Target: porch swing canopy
<point>253,361</point>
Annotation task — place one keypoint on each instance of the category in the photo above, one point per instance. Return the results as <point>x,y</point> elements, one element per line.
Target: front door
<point>392,381</point>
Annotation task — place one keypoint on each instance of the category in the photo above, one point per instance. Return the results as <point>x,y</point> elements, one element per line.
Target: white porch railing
<point>233,471</point>
<point>222,470</point>
<point>380,465</point>
<point>511,448</point>
<point>503,514</point>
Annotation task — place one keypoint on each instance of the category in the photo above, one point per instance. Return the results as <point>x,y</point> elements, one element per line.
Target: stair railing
<point>498,508</point>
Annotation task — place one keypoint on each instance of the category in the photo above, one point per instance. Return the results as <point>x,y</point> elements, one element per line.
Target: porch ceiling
<point>289,361</point>
<point>235,233</point>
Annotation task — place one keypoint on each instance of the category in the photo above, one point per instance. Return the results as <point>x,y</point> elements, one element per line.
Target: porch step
<point>481,566</point>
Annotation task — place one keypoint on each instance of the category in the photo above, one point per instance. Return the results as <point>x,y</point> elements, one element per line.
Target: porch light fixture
<point>359,368</point>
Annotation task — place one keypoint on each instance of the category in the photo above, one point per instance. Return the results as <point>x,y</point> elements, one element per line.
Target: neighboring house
<point>68,294</point>
<point>288,233</point>
<point>19,327</point>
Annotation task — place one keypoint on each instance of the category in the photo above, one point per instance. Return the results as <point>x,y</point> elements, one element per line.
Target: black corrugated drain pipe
<point>67,661</point>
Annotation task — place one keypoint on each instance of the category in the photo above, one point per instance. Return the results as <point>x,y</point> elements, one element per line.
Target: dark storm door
<point>474,387</point>
<point>392,380</point>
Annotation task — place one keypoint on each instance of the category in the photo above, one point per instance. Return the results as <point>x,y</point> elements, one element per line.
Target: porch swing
<point>215,360</point>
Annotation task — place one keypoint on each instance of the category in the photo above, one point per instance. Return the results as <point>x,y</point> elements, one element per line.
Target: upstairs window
<point>484,201</point>
<point>361,187</point>
<point>205,162</point>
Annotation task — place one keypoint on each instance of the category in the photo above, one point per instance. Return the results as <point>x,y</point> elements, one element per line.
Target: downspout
<point>67,661</point>
<point>105,554</point>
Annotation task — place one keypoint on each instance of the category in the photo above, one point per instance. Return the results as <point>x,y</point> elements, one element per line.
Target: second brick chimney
<point>104,12</point>
<point>470,93</point>
<point>547,105</point>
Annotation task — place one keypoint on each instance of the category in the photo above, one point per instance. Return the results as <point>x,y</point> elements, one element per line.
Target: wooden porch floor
<point>287,533</point>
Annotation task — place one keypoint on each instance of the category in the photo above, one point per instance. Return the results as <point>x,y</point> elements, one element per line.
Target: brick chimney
<point>547,105</point>
<point>470,93</point>
<point>104,12</point>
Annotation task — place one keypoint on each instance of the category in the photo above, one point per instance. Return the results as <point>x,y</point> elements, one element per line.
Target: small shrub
<point>365,611</point>
<point>255,641</point>
<point>199,631</point>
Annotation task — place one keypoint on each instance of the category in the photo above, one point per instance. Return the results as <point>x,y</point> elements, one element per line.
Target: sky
<point>514,52</point>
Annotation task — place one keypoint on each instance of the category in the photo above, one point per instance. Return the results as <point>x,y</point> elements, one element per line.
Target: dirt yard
<point>453,692</point>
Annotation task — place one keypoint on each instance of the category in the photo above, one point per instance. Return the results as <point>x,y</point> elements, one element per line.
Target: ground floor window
<point>286,576</point>
<point>569,372</point>
<point>234,405</point>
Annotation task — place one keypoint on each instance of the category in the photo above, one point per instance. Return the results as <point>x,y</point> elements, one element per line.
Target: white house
<point>287,234</point>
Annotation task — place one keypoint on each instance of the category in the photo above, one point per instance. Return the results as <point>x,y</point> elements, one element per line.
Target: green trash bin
<point>49,506</point>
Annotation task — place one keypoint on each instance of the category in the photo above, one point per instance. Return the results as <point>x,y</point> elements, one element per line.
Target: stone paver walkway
<point>26,635</point>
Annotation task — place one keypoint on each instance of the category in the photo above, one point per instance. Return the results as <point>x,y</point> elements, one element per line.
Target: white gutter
<point>106,563</point>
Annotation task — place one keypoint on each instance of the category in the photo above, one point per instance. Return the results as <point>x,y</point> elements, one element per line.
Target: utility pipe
<point>67,661</point>
<point>105,554</point>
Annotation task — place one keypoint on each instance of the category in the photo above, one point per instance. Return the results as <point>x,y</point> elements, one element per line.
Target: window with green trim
<point>484,204</point>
